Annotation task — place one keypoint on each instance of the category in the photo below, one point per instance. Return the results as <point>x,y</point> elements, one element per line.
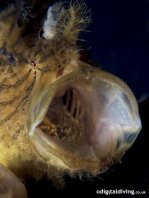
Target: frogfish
<point>58,113</point>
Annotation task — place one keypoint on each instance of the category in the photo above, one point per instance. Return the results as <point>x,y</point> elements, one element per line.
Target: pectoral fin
<point>10,185</point>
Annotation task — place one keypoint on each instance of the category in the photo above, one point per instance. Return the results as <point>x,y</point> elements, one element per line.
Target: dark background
<point>118,41</point>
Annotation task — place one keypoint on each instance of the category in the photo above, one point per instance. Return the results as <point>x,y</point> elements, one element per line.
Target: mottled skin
<point>35,70</point>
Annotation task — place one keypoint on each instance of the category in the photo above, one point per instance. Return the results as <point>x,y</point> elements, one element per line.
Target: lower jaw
<point>55,153</point>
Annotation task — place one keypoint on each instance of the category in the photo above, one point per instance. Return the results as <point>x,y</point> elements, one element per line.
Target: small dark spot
<point>41,34</point>
<point>70,98</point>
<point>60,72</point>
<point>64,98</point>
<point>74,113</point>
<point>9,56</point>
<point>119,142</point>
<point>16,134</point>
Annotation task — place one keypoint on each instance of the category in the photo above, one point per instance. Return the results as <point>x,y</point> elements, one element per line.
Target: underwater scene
<point>74,98</point>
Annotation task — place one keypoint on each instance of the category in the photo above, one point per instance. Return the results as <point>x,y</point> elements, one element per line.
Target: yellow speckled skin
<point>18,81</point>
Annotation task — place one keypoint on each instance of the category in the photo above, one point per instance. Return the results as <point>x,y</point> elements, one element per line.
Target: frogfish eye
<point>84,120</point>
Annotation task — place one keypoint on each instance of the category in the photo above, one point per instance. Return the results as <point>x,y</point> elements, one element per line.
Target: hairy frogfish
<point>58,113</point>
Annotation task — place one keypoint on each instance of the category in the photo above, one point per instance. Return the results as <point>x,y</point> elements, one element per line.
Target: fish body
<point>59,113</point>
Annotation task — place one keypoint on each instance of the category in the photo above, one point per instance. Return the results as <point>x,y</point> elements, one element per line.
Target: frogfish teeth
<point>57,111</point>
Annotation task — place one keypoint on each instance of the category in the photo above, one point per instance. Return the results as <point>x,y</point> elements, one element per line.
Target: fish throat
<point>64,118</point>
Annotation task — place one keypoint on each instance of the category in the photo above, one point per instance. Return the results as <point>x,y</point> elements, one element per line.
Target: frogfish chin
<point>56,109</point>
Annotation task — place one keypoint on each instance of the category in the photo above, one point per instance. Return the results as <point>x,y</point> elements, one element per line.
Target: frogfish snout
<point>84,120</point>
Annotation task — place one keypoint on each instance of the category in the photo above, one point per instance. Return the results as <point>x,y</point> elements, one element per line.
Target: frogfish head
<point>83,120</point>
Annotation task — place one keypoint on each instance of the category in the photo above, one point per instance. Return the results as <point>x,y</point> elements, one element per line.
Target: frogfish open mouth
<point>55,108</point>
<point>83,119</point>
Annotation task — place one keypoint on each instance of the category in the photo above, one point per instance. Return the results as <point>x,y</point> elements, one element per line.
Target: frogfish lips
<point>83,120</point>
